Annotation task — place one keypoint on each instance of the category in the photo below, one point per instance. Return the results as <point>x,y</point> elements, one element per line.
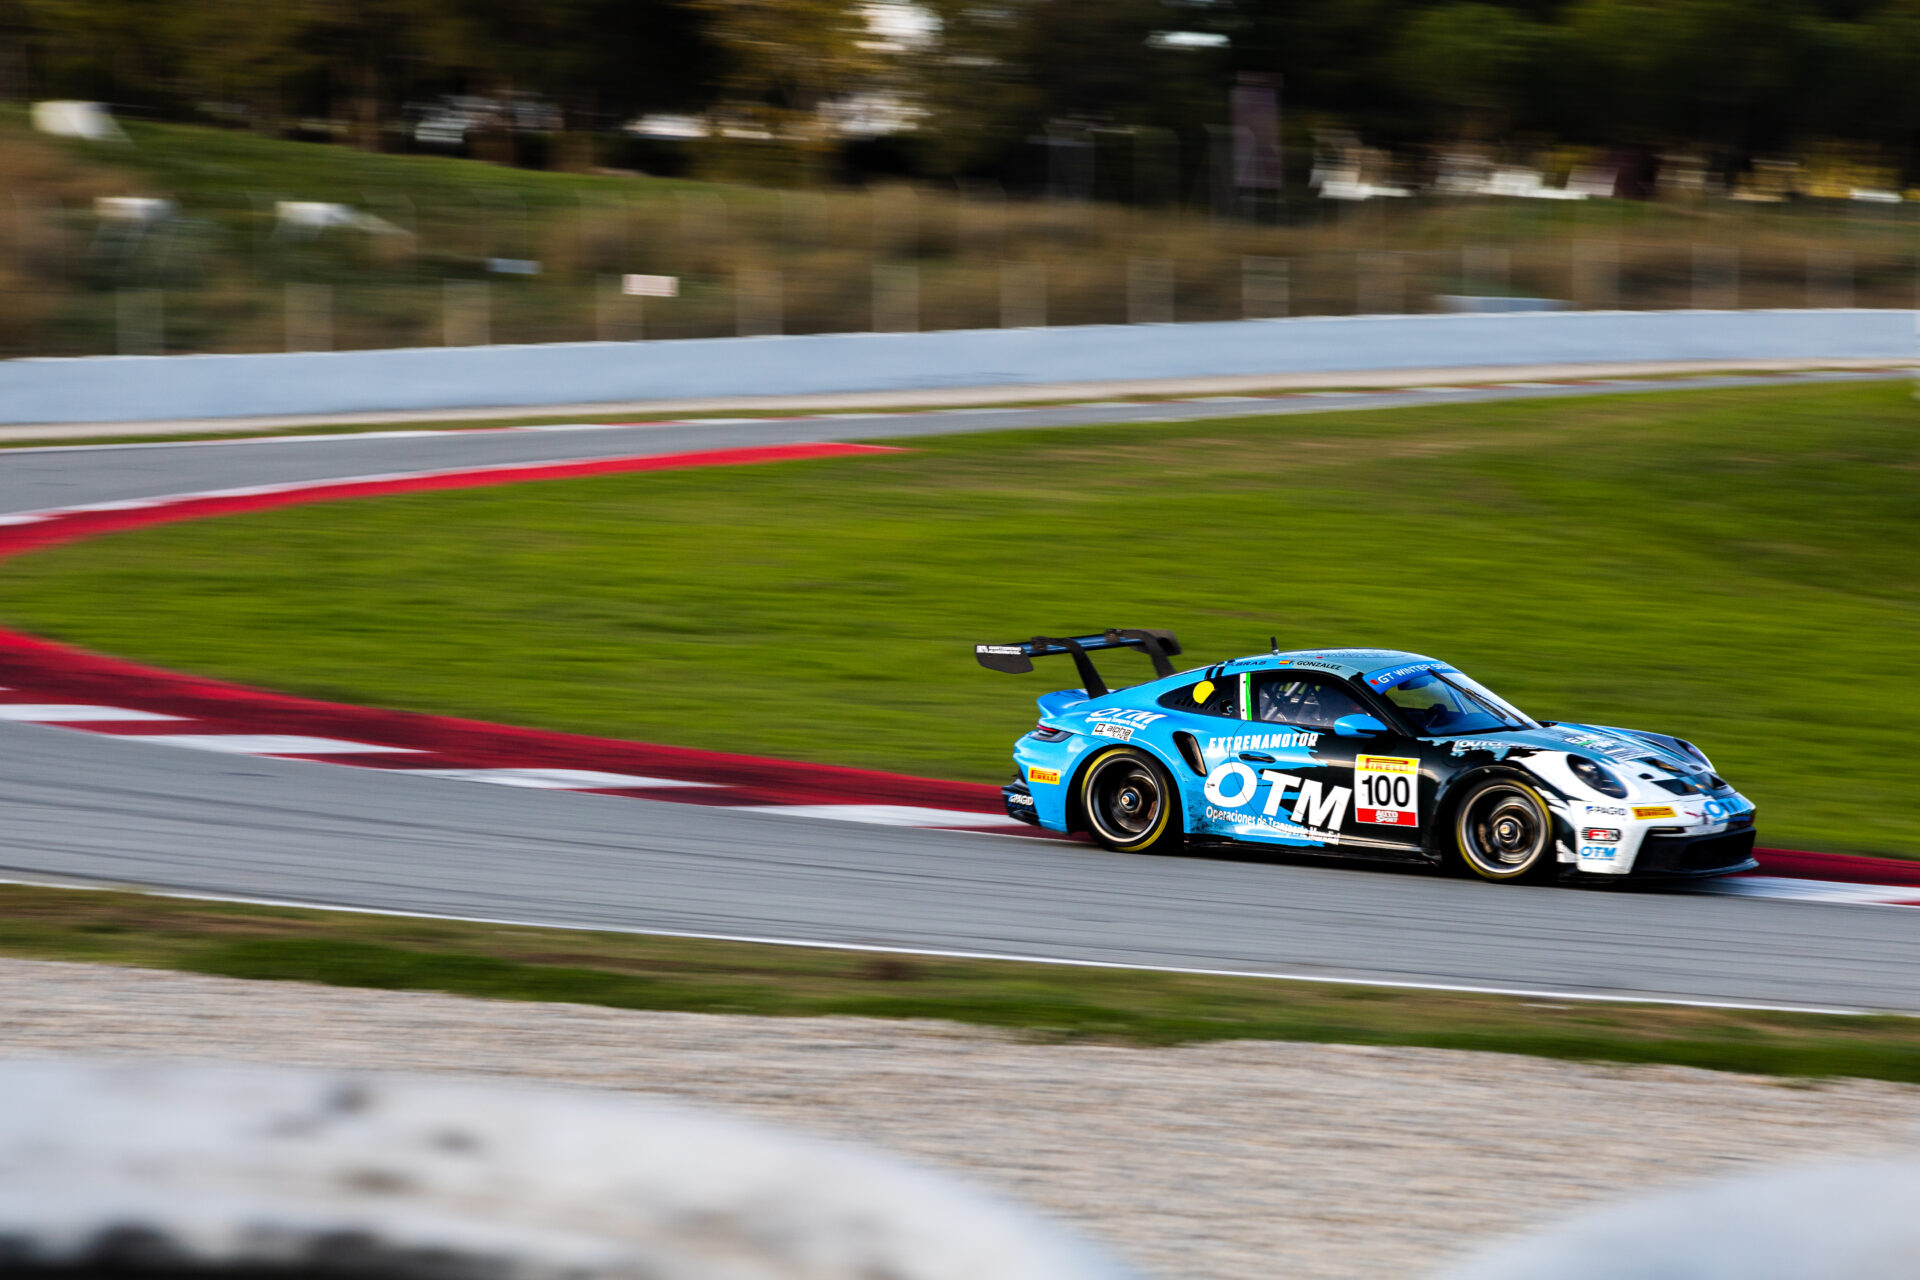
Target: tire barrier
<point>206,1171</point>
<point>1858,1221</point>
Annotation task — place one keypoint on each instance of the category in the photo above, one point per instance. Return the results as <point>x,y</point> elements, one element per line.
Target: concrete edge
<point>949,397</point>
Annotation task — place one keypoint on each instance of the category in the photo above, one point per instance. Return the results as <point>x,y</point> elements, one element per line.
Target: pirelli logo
<point>1049,776</point>
<point>1653,811</point>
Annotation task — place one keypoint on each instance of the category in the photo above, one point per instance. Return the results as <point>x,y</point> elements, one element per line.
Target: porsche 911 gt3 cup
<point>1371,753</point>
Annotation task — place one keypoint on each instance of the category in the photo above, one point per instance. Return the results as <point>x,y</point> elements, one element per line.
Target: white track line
<point>415,433</point>
<point>124,504</point>
<point>553,779</point>
<point>1835,891</point>
<point>263,744</point>
<point>73,713</point>
<point>884,815</point>
<point>1531,993</point>
<point>300,486</point>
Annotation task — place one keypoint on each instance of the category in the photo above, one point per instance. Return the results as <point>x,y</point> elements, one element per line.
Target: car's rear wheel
<point>1502,831</point>
<point>1129,802</point>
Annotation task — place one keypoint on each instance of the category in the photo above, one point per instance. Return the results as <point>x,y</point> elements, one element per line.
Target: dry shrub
<point>24,306</point>
<point>50,199</point>
<point>826,246</point>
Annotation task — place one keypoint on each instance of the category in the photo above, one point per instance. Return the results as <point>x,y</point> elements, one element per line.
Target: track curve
<point>105,810</point>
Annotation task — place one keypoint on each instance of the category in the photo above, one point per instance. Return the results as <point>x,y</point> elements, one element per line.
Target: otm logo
<point>1233,785</point>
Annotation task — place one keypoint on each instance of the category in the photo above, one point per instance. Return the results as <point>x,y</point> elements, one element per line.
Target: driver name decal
<point>1389,790</point>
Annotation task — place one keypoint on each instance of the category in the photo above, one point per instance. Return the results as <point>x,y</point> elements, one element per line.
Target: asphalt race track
<point>97,809</point>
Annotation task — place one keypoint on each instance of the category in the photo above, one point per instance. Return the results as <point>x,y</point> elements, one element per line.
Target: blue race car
<point>1369,753</point>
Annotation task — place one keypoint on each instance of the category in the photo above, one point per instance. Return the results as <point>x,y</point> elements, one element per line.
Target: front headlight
<point>1597,777</point>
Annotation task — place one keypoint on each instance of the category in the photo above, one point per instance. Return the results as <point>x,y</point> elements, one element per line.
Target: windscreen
<point>1444,703</point>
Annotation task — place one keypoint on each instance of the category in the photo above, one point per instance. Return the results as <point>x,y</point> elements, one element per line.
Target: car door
<point>1364,791</point>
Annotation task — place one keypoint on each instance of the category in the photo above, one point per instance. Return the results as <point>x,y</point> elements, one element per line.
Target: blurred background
<point>206,175</point>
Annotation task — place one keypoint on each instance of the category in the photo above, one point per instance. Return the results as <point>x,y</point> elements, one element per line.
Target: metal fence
<point>256,274</point>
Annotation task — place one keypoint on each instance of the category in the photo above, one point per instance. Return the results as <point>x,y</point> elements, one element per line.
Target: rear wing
<point>1017,658</point>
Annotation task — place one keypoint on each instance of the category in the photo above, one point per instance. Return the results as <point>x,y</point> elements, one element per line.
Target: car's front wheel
<point>1129,802</point>
<point>1502,831</point>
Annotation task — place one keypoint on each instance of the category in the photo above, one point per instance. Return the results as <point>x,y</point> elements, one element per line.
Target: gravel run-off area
<point>1238,1160</point>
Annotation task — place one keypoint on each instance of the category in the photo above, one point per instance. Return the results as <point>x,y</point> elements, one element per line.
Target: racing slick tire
<point>1130,803</point>
<point>1503,830</point>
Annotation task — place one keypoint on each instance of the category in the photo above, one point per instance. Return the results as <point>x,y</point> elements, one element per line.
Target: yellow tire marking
<point>1460,839</point>
<point>1086,801</point>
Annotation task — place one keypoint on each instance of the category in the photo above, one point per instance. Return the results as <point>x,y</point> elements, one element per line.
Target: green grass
<point>206,167</point>
<point>1736,567</point>
<point>1046,1002</point>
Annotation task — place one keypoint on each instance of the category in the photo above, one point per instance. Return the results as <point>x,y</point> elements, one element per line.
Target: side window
<point>1283,697</point>
<point>1219,697</point>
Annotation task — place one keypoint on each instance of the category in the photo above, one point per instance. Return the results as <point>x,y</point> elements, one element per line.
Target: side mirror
<point>1359,725</point>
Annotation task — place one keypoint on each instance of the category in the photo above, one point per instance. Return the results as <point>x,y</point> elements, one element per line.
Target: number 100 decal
<point>1388,788</point>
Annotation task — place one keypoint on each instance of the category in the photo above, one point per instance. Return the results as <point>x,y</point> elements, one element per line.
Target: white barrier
<point>202,1170</point>
<point>150,388</point>
<point>1825,1222</point>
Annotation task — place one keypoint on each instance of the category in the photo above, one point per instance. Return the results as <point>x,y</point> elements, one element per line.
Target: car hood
<point>1605,743</point>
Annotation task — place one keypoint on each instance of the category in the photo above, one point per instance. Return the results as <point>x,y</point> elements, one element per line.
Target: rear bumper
<point>1019,802</point>
<point>1692,857</point>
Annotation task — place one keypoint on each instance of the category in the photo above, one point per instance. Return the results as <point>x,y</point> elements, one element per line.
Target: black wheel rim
<point>1124,800</point>
<point>1503,830</point>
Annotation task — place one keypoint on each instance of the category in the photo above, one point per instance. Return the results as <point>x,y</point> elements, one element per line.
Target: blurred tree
<point>1334,54</point>
<point>1749,66</point>
<point>16,32</point>
<point>363,46</point>
<point>1888,101</point>
<point>1004,72</point>
<point>1733,78</point>
<point>1469,60</point>
<point>119,51</point>
<point>975,85</point>
<point>646,55</point>
<point>784,60</point>
<point>1620,71</point>
<point>239,58</point>
<point>597,61</point>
